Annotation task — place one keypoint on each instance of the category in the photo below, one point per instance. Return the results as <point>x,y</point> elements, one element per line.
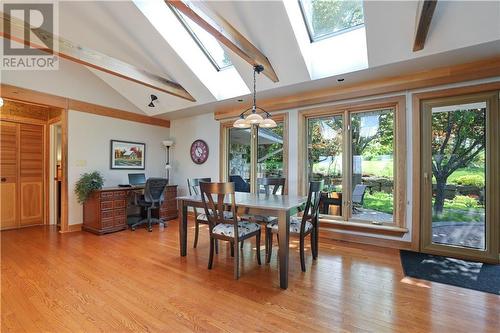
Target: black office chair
<point>152,198</point>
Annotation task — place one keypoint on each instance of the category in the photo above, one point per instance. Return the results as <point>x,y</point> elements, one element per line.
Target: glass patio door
<point>460,176</point>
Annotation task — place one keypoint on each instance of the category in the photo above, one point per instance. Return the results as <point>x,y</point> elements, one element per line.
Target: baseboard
<point>382,242</point>
<point>72,228</point>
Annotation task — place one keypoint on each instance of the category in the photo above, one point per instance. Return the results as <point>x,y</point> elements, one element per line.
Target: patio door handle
<point>426,177</point>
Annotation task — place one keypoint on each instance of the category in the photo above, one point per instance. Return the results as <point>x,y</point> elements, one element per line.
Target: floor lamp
<point>167,144</point>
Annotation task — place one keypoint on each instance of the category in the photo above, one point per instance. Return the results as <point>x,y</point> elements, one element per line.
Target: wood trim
<point>88,57</point>
<point>424,18</point>
<point>64,171</point>
<point>326,233</point>
<point>73,228</point>
<point>433,77</point>
<point>417,135</point>
<point>226,34</point>
<point>362,227</point>
<point>115,113</point>
<point>40,98</point>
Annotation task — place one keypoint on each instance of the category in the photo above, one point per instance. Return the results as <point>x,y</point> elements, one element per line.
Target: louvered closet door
<point>31,159</point>
<point>9,153</point>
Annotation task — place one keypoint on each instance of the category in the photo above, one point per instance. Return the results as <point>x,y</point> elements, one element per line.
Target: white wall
<point>184,131</point>
<point>89,149</point>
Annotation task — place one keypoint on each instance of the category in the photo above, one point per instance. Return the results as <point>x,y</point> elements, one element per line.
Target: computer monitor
<point>136,179</point>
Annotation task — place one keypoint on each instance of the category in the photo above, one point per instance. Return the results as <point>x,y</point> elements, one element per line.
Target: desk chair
<point>221,228</point>
<point>152,199</point>
<point>302,226</point>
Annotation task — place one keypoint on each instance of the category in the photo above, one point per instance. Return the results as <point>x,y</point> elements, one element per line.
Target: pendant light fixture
<point>254,118</point>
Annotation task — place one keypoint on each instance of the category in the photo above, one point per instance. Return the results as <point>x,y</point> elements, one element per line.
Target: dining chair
<point>199,218</point>
<point>226,229</point>
<point>270,186</point>
<point>304,225</point>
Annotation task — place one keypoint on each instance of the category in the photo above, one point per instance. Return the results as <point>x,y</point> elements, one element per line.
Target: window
<point>355,151</point>
<point>324,19</point>
<point>207,43</point>
<point>252,153</point>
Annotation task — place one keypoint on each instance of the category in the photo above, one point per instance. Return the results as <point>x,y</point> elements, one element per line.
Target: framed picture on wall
<point>127,155</point>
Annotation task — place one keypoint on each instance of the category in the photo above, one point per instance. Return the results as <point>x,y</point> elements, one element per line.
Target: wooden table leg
<point>284,233</point>
<point>183,228</point>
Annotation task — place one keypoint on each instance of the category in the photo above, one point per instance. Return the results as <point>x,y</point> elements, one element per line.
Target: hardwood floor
<point>136,281</point>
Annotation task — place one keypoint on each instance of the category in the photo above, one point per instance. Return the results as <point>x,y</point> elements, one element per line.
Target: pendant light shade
<point>254,119</point>
<point>268,123</point>
<point>241,123</point>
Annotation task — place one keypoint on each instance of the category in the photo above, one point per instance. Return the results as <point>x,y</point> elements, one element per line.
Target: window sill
<point>363,227</point>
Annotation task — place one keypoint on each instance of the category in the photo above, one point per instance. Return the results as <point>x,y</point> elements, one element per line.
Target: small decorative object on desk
<point>88,183</point>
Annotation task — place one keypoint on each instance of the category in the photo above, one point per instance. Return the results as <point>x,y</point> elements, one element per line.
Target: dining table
<point>280,206</point>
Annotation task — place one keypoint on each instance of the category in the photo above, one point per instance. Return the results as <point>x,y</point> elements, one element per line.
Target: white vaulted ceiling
<point>460,31</point>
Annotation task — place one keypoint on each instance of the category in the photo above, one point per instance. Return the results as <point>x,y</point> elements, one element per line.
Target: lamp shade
<point>241,123</point>
<point>168,143</point>
<point>254,119</point>
<point>268,123</point>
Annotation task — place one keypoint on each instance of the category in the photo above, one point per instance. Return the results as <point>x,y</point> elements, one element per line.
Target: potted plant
<point>86,184</point>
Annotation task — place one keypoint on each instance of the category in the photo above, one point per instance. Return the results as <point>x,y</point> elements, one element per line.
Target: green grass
<point>378,168</point>
<point>379,201</point>
<point>465,172</point>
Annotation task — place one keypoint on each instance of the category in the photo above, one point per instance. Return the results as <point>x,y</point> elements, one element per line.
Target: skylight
<point>222,84</point>
<point>324,18</point>
<point>207,43</point>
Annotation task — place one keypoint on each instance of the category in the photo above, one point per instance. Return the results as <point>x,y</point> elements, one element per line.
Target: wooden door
<point>22,174</point>
<point>9,153</point>
<point>31,160</point>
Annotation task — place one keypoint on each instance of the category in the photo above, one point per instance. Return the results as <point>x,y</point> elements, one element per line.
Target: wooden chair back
<point>213,196</point>
<point>276,183</point>
<point>311,211</point>
<point>194,185</point>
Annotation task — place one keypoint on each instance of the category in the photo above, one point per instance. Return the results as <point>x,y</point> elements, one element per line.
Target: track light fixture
<point>153,102</point>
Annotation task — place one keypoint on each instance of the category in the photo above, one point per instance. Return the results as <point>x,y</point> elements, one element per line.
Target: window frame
<point>313,39</point>
<point>225,126</point>
<point>398,103</point>
<point>198,42</point>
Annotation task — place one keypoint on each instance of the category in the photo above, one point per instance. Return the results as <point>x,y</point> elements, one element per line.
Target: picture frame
<point>127,155</point>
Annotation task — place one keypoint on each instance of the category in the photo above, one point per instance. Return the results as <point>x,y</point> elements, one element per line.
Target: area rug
<point>456,272</point>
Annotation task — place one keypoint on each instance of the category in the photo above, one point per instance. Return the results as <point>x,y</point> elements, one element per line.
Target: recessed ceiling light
<point>340,80</point>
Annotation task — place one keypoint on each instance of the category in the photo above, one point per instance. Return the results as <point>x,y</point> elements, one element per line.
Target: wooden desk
<point>282,206</point>
<point>106,209</point>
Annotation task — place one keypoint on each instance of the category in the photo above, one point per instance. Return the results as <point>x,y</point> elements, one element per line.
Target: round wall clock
<point>199,151</point>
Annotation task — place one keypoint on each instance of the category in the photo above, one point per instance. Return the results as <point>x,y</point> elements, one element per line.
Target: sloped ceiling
<point>460,31</point>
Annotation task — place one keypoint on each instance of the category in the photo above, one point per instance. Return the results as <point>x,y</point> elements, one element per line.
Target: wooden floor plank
<point>136,282</point>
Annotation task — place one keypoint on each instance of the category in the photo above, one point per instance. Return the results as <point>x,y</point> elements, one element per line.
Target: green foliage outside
<point>379,201</point>
<point>86,184</point>
<point>333,15</point>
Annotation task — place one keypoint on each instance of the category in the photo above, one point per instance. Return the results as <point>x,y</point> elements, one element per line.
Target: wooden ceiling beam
<point>91,58</point>
<point>226,34</point>
<point>424,18</point>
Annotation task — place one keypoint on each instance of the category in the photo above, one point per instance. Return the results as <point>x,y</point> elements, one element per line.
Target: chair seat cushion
<point>244,228</point>
<point>227,216</point>
<point>295,222</point>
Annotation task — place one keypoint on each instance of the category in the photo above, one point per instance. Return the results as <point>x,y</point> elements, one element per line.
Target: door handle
<point>3,179</point>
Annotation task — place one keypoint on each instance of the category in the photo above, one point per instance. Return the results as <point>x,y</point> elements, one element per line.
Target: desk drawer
<point>106,205</point>
<point>120,220</point>
<point>107,223</point>
<point>119,204</point>
<point>120,194</point>
<point>106,195</point>
<point>106,214</point>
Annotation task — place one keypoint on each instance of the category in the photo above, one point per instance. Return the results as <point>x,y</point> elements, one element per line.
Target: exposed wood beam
<point>226,34</point>
<point>13,29</point>
<point>13,93</point>
<point>424,18</point>
<point>433,77</point>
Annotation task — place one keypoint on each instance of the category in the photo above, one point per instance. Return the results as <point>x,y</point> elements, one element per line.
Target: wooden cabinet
<point>106,210</point>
